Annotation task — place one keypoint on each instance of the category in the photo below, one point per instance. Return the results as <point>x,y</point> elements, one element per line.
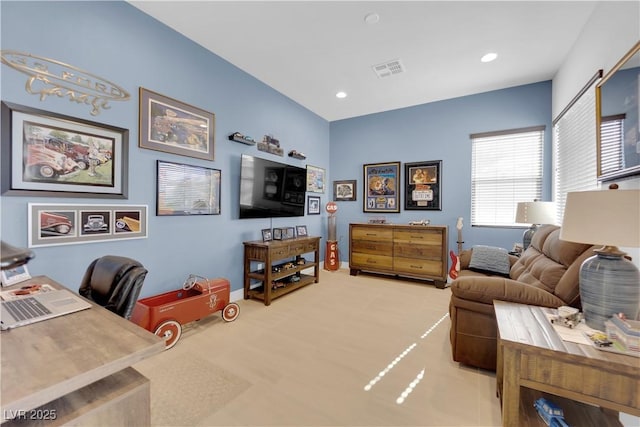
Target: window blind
<point>506,169</point>
<point>574,142</point>
<point>611,153</point>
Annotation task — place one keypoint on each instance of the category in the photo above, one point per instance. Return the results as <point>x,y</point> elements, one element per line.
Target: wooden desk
<point>532,358</point>
<point>71,361</point>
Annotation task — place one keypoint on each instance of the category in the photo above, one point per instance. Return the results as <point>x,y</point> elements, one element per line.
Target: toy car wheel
<point>230,312</point>
<point>171,331</point>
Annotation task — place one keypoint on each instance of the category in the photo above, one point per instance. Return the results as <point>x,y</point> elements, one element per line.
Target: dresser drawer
<point>418,267</point>
<point>375,262</point>
<point>417,250</point>
<point>372,233</point>
<point>279,252</point>
<point>372,247</point>
<point>427,237</point>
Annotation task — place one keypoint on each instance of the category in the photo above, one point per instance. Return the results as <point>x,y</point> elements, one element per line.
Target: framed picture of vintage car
<point>381,187</point>
<point>52,155</point>
<point>423,186</point>
<point>174,127</point>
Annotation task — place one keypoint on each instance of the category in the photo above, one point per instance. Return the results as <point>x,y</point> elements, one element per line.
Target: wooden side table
<point>534,360</point>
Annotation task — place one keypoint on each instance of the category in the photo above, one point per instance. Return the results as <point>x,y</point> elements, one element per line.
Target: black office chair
<point>114,282</point>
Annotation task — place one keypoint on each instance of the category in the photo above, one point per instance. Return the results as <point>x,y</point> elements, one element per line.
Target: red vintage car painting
<point>199,297</point>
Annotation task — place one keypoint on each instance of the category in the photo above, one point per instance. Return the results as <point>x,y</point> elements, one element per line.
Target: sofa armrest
<point>486,289</point>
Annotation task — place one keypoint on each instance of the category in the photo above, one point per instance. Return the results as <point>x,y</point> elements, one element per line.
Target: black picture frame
<point>53,155</point>
<point>301,230</point>
<point>345,190</point>
<point>184,190</point>
<point>267,235</point>
<point>313,205</point>
<point>381,183</point>
<point>423,186</point>
<point>172,126</point>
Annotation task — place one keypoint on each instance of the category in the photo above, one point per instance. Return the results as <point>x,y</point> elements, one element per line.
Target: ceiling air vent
<point>388,68</point>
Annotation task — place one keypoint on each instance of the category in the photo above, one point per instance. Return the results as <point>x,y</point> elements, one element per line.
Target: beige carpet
<point>348,351</point>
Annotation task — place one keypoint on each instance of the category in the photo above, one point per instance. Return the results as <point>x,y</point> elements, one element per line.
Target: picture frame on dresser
<point>53,155</point>
<point>423,186</point>
<point>381,183</point>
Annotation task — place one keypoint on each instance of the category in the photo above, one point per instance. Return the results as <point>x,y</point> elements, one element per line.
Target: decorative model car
<point>567,316</point>
<point>199,297</point>
<point>551,414</point>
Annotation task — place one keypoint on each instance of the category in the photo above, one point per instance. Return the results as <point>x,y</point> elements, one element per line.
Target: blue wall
<point>119,43</point>
<point>437,131</point>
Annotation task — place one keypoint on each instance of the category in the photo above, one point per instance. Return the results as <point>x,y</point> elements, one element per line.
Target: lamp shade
<point>536,212</point>
<point>607,217</point>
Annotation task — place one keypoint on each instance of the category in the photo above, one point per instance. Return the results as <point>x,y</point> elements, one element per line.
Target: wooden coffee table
<point>590,385</point>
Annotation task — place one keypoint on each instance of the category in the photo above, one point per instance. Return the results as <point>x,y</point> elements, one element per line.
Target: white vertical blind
<point>506,169</point>
<point>574,142</point>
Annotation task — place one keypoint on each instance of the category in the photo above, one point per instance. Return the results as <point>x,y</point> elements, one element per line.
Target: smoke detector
<point>388,68</point>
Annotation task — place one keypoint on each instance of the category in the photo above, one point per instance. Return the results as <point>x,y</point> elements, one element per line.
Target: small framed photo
<point>313,205</point>
<point>301,230</point>
<point>15,275</point>
<point>277,234</point>
<point>289,233</point>
<point>267,236</point>
<point>315,179</point>
<point>344,191</point>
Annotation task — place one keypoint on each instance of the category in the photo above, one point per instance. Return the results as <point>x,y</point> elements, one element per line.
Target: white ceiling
<point>309,50</point>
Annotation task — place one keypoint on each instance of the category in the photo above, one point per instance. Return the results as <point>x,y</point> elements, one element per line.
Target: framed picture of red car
<point>49,154</point>
<point>67,223</point>
<point>423,186</point>
<point>172,126</point>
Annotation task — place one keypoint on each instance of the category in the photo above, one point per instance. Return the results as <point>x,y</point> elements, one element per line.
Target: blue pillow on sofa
<point>490,260</point>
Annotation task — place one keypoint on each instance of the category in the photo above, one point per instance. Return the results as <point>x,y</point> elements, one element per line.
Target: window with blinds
<point>574,142</point>
<point>611,153</point>
<point>506,169</point>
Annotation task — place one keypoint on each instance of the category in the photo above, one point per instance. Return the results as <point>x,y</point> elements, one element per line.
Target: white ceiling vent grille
<point>388,68</point>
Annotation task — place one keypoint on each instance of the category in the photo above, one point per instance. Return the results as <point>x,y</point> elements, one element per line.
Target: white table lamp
<point>534,213</point>
<point>609,283</point>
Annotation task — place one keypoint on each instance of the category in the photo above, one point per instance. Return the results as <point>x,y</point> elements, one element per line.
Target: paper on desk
<point>575,334</point>
<point>25,291</point>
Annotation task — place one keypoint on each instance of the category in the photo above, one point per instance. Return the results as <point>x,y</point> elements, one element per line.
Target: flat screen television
<point>270,189</point>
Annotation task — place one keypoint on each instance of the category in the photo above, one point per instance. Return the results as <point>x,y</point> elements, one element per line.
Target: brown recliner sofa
<point>545,275</point>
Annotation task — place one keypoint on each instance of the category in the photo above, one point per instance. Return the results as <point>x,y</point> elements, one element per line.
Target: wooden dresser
<point>404,250</point>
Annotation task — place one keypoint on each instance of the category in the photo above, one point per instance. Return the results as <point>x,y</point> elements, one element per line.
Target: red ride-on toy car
<point>199,297</point>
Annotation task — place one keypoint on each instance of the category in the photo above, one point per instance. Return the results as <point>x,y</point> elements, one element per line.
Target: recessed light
<point>489,57</point>
<point>341,95</point>
<point>371,18</point>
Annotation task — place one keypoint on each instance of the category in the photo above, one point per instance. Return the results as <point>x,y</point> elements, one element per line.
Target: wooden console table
<point>279,266</point>
<point>76,369</point>
<point>534,360</point>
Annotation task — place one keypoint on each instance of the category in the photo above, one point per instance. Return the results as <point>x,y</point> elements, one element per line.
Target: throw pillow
<point>490,260</point>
